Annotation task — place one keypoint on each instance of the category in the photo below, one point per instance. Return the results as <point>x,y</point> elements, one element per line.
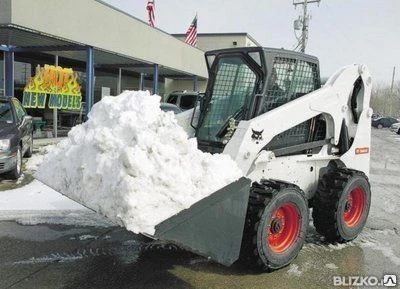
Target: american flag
<point>150,8</point>
<point>191,34</point>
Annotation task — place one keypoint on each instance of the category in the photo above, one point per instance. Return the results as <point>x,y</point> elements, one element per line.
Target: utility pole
<point>391,87</point>
<point>302,23</point>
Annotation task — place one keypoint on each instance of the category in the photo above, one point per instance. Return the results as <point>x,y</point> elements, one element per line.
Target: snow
<point>294,270</point>
<point>37,158</point>
<point>60,217</point>
<point>36,203</point>
<point>49,259</point>
<point>87,237</point>
<point>385,248</point>
<point>36,196</point>
<point>133,163</point>
<point>331,266</point>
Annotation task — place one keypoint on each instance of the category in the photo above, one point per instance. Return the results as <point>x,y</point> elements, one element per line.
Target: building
<point>107,49</point>
<point>211,41</point>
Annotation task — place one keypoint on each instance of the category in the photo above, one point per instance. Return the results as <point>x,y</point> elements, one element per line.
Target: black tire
<point>15,173</point>
<point>259,248</point>
<point>29,151</point>
<point>398,132</point>
<point>341,204</point>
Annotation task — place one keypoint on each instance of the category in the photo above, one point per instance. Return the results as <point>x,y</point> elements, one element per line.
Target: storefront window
<point>22,73</point>
<point>105,84</point>
<point>45,118</point>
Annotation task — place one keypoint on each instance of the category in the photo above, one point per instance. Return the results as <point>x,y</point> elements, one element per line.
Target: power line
<point>302,23</point>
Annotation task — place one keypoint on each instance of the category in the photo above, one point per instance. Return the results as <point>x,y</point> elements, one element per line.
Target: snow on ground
<point>50,259</point>
<point>36,159</point>
<point>37,203</point>
<point>294,270</point>
<point>331,266</point>
<point>36,196</point>
<point>133,163</point>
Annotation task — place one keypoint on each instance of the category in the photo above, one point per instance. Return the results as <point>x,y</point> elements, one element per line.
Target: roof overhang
<point>115,47</point>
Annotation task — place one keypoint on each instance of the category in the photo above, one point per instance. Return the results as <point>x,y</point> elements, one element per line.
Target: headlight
<point>4,144</point>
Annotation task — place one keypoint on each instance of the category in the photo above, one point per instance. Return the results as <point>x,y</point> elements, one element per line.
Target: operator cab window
<point>279,83</point>
<point>234,85</point>
<point>289,80</point>
<point>5,112</point>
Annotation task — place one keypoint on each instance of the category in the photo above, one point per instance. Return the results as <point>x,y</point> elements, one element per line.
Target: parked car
<point>170,107</point>
<point>183,99</point>
<point>375,115</point>
<point>395,127</point>
<point>384,122</point>
<point>16,136</point>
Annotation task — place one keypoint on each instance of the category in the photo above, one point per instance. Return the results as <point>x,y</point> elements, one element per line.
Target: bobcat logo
<point>256,135</point>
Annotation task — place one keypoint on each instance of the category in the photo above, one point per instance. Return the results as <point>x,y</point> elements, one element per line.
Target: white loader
<point>299,145</point>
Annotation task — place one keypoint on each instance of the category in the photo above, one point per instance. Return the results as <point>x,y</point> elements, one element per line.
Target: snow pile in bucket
<point>133,163</point>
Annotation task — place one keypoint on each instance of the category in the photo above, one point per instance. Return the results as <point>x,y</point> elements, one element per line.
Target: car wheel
<point>380,126</point>
<point>398,132</point>
<point>16,171</point>
<point>29,152</point>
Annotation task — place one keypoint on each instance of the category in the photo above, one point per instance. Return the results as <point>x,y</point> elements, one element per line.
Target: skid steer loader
<point>298,144</point>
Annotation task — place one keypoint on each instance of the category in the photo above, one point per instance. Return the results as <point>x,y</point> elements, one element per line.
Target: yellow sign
<point>59,84</point>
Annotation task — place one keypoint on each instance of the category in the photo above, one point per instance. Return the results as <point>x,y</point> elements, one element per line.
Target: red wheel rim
<point>354,207</point>
<point>284,228</point>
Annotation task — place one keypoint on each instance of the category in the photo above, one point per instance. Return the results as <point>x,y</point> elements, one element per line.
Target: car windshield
<point>231,93</point>
<point>5,112</point>
<point>173,98</point>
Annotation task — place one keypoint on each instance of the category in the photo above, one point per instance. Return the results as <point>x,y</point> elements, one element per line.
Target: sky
<point>341,32</point>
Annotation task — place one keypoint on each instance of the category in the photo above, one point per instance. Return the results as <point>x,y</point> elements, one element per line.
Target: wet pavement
<point>60,256</point>
<point>55,256</point>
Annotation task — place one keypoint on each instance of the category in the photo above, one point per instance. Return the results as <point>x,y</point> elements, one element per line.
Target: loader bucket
<point>212,227</point>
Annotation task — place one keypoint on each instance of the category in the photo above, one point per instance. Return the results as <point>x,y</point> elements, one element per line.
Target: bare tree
<point>386,101</point>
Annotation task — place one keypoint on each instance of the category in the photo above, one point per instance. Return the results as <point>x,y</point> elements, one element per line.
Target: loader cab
<point>246,82</point>
<point>235,77</point>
